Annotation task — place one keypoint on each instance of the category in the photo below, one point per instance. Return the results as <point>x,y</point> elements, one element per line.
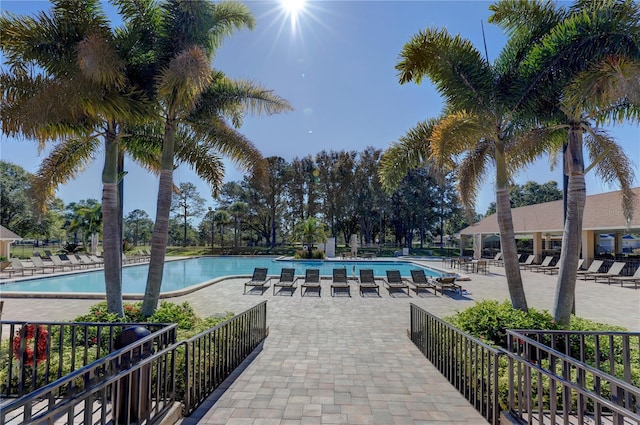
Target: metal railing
<point>211,356</point>
<point>470,365</point>
<point>134,384</point>
<point>558,375</point>
<point>543,376</point>
<point>129,385</point>
<point>37,353</point>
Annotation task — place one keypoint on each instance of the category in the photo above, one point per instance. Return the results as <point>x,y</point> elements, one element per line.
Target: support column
<point>537,247</point>
<point>617,244</point>
<point>588,247</point>
<point>463,243</point>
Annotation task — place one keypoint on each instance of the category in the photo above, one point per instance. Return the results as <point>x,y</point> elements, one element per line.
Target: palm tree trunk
<point>507,234</point>
<point>160,234</point>
<point>572,236</point>
<point>111,240</point>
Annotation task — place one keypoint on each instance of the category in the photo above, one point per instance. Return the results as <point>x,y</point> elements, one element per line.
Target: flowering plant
<point>28,333</point>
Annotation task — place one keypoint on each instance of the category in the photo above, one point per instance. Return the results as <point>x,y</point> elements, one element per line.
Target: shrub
<point>489,320</point>
<point>304,254</point>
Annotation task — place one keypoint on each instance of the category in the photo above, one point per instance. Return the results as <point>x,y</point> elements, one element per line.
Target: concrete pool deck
<point>335,360</point>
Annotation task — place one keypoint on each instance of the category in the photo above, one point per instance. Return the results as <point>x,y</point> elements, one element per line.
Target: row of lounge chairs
<point>592,273</point>
<point>55,263</point>
<point>340,282</point>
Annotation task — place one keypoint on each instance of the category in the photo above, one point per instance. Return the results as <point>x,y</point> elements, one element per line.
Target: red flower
<point>28,333</point>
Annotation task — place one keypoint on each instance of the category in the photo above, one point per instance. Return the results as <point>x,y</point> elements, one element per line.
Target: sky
<point>334,62</point>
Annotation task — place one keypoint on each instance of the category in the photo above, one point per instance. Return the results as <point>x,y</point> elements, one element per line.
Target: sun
<point>293,7</point>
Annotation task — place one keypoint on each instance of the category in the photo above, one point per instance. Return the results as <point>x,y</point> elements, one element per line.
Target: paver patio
<point>336,360</point>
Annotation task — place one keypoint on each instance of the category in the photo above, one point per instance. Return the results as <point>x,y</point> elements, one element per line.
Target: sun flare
<point>293,7</point>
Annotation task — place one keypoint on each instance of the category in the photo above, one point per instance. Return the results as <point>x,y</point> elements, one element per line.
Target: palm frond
<point>529,145</point>
<point>233,98</point>
<point>612,165</point>
<point>470,173</point>
<point>185,79</point>
<point>455,133</point>
<point>412,150</point>
<point>207,164</point>
<point>144,145</point>
<point>99,62</point>
<point>202,23</point>
<point>609,91</point>
<point>219,137</point>
<point>65,162</point>
<point>456,68</point>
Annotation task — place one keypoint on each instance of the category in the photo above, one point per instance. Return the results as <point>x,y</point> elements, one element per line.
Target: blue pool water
<point>182,274</point>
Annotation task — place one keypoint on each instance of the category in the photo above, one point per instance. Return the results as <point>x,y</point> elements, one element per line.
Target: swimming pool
<point>181,274</point>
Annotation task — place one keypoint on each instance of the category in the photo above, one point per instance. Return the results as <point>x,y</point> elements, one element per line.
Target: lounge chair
<point>420,281</point>
<point>545,263</point>
<point>593,268</point>
<point>496,260</point>
<point>635,279</point>
<point>527,262</point>
<point>556,269</point>
<point>395,282</point>
<point>84,259</point>
<point>40,265</point>
<point>339,281</point>
<point>447,283</point>
<point>259,279</point>
<point>614,270</point>
<point>311,281</point>
<point>74,260</point>
<point>287,280</point>
<point>58,262</point>
<point>17,266</point>
<point>96,260</point>
<point>367,281</point>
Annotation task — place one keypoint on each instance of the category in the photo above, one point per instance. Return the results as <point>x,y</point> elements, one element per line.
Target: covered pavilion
<point>7,237</point>
<point>544,222</point>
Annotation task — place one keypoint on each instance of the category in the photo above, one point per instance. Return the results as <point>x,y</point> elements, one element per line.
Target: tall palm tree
<point>195,99</point>
<point>479,123</point>
<point>585,69</point>
<point>66,82</point>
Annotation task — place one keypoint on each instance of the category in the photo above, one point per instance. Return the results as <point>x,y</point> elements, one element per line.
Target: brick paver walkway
<point>339,360</point>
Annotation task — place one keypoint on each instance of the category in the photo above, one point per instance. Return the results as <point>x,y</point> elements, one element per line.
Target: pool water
<point>181,274</point>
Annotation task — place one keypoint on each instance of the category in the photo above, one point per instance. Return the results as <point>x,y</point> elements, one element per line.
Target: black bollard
<point>132,397</point>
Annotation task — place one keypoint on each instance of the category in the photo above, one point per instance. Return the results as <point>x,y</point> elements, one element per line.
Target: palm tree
<point>586,70</point>
<point>221,218</point>
<point>237,211</point>
<point>194,98</point>
<point>69,58</point>
<point>309,232</point>
<point>479,123</point>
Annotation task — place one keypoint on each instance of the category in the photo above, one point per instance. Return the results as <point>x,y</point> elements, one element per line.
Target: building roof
<point>602,212</point>
<point>8,235</point>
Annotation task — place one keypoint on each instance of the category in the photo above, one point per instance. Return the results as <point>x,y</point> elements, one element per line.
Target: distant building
<point>544,225</point>
<point>7,237</point>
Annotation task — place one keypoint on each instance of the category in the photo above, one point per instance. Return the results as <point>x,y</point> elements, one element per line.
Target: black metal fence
<point>470,365</point>
<point>211,356</point>
<point>132,384</point>
<point>561,375</point>
<point>135,384</point>
<point>33,354</point>
<point>546,377</point>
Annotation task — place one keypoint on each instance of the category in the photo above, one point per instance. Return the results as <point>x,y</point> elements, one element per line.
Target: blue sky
<point>335,65</point>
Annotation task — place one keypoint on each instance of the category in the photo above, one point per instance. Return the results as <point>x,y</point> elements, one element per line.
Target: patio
<point>348,360</point>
